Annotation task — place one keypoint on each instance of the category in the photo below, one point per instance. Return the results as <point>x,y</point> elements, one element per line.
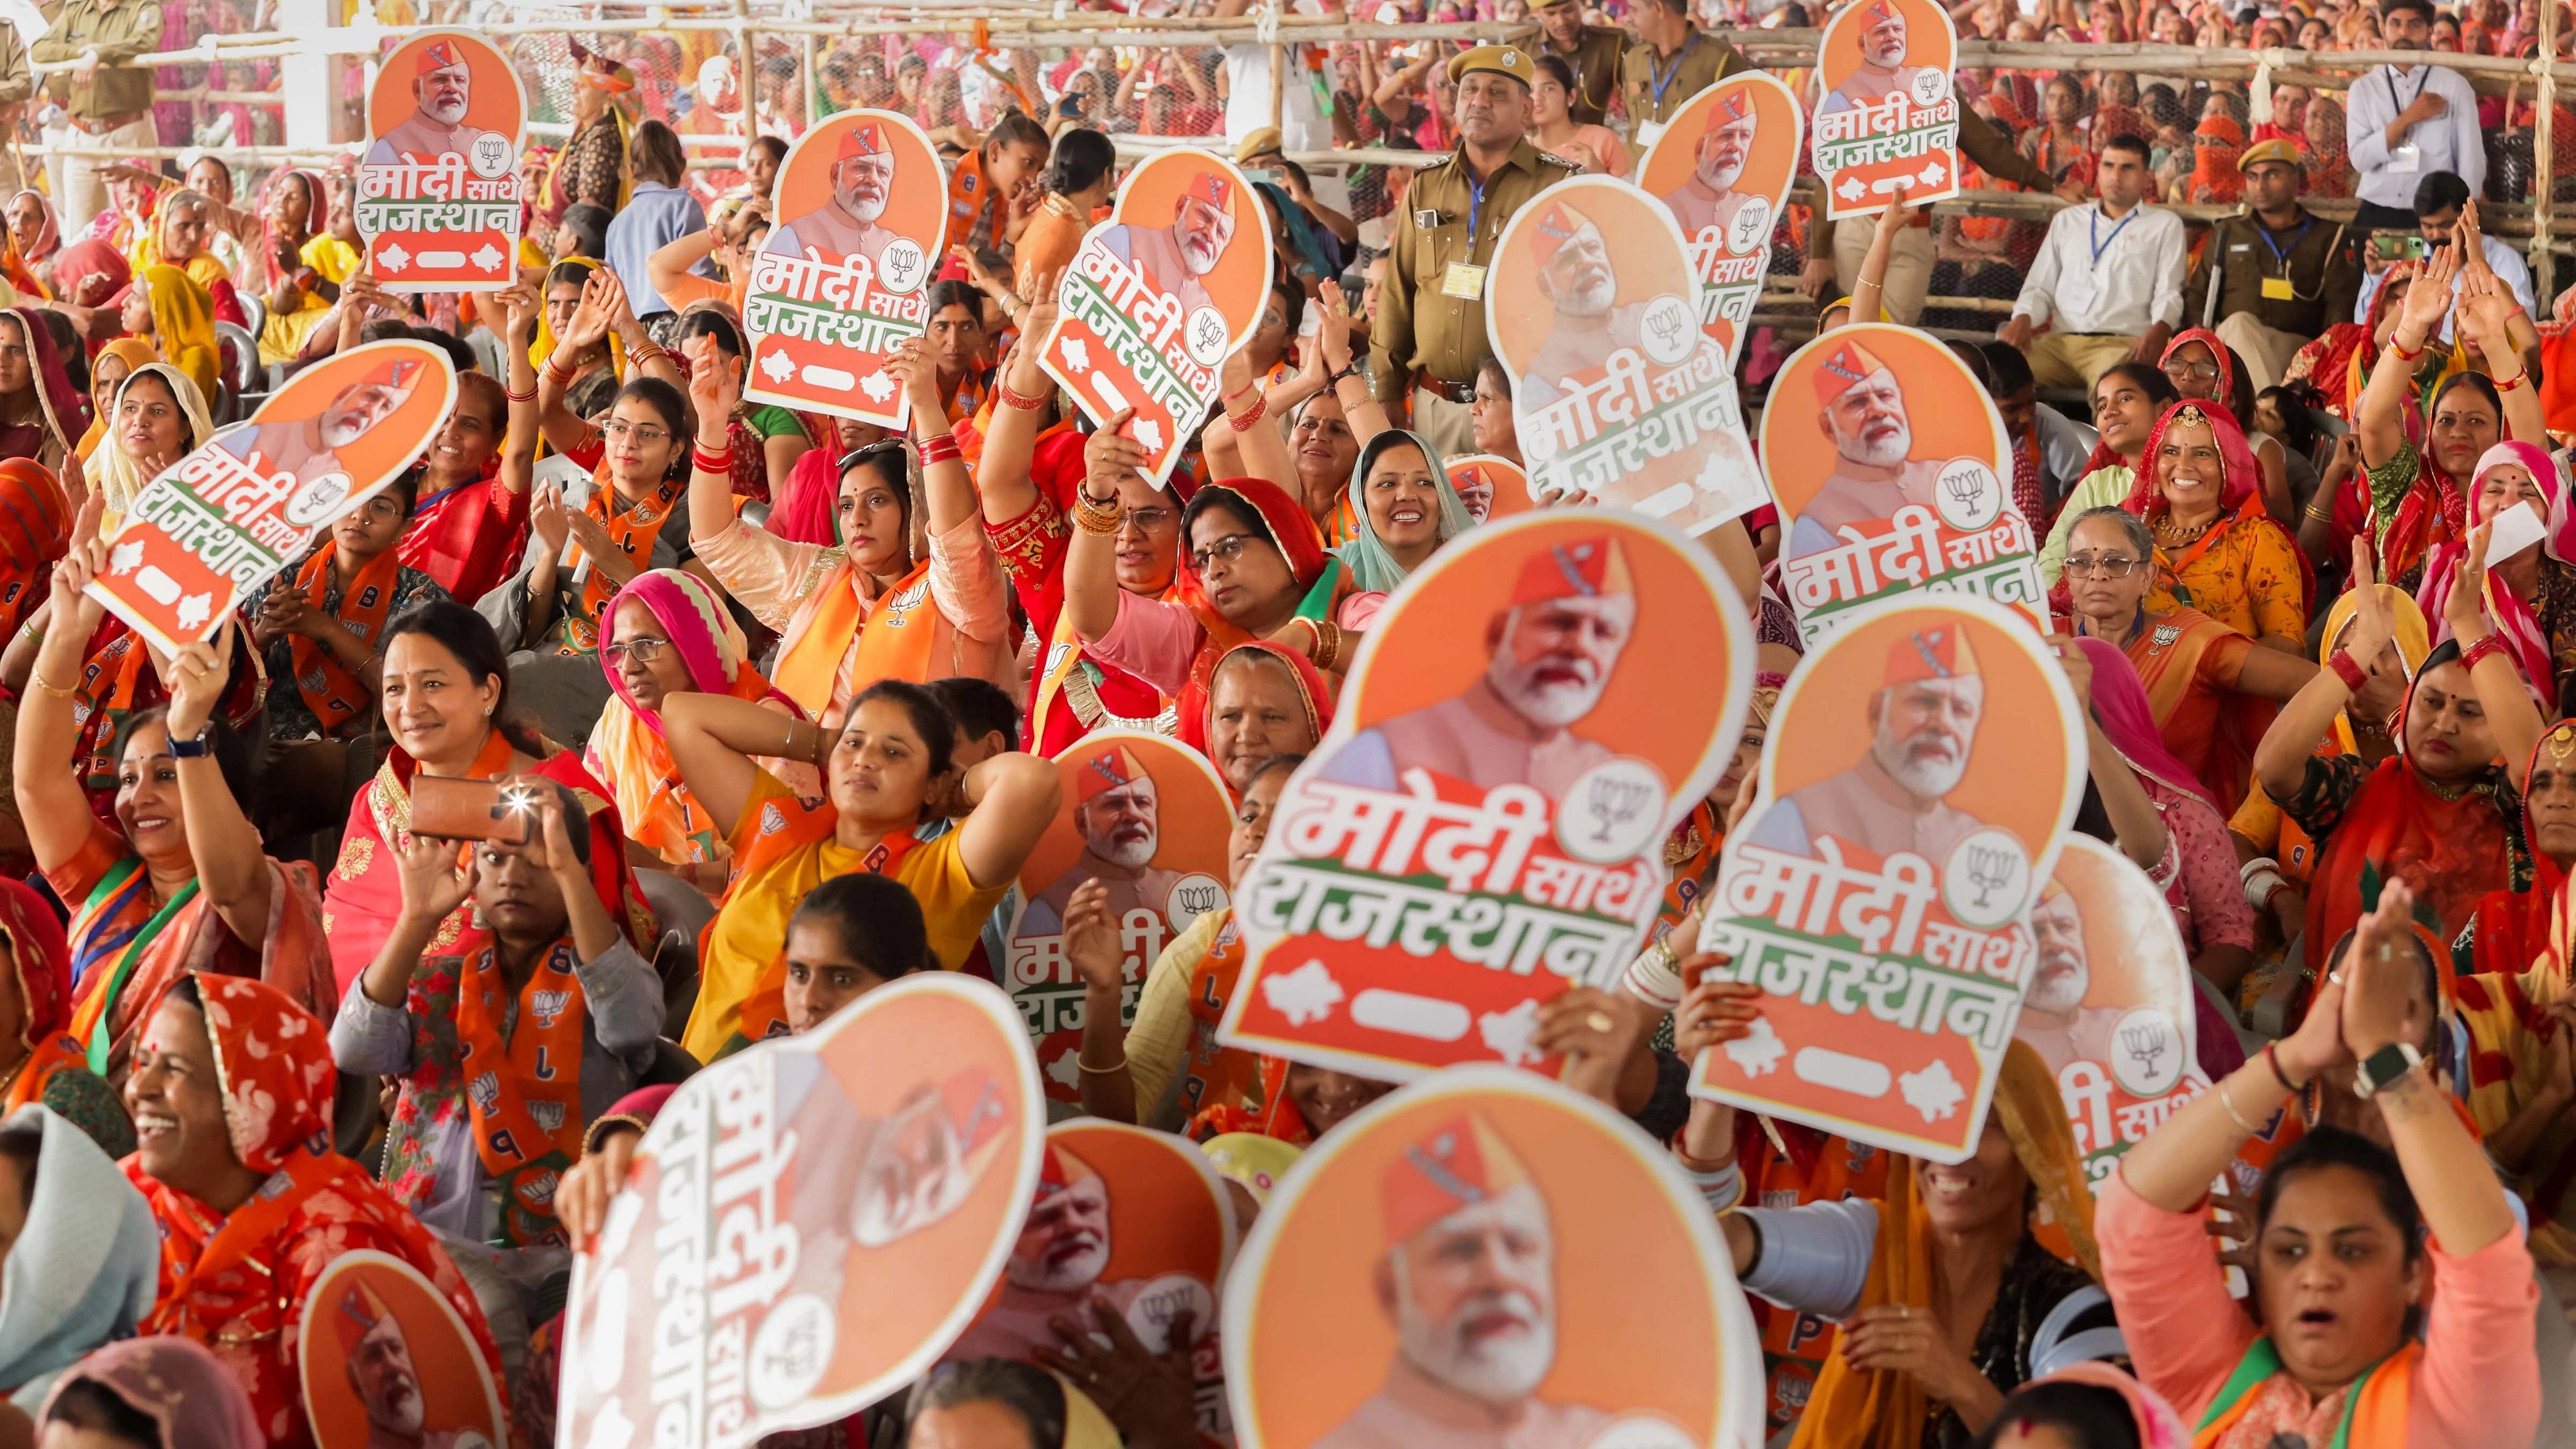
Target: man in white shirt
<point>2107,282</point>
<point>2403,123</point>
<point>2439,200</point>
<point>1302,124</point>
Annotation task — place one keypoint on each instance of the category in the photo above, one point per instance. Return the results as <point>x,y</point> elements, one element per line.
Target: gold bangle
<point>1098,519</point>
<point>1112,1069</point>
<point>2228,1102</point>
<point>58,691</point>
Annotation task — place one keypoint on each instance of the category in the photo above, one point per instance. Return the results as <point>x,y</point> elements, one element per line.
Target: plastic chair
<point>254,317</point>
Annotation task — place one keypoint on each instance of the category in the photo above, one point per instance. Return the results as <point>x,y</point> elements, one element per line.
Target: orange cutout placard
<point>1483,826</point>
<point>1159,296</point>
<point>438,187</point>
<point>1491,487</point>
<point>1126,1216</point>
<point>1895,478</point>
<point>1617,394</point>
<point>1924,765</point>
<point>383,1353</point>
<point>250,500</point>
<point>840,284</point>
<point>2110,1005</point>
<point>1149,819</point>
<point>1722,167</point>
<point>810,1223</point>
<point>1889,121</point>
<point>1489,1247</point>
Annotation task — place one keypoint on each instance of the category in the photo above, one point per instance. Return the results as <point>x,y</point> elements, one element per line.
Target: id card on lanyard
<point>2406,158</point>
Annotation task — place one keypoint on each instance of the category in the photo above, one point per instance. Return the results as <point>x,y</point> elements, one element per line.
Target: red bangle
<point>518,397</point>
<point>2492,644</point>
<point>1242,422</point>
<point>1020,401</point>
<point>2400,348</point>
<point>711,462</point>
<point>2348,669</point>
<point>2513,383</point>
<point>941,449</point>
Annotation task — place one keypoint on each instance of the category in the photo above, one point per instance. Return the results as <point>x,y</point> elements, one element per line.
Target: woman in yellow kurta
<point>2216,551</point>
<point>891,785</point>
<point>166,305</point>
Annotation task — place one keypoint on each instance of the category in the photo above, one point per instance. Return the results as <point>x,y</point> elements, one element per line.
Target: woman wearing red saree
<point>2532,595</point>
<point>2216,551</point>
<point>2441,814</point>
<point>43,1062</point>
<point>231,1094</point>
<point>179,883</point>
<point>1253,567</point>
<point>2201,366</point>
<point>42,414</point>
<point>2413,496</point>
<point>2511,931</point>
<point>1026,481</point>
<point>35,528</point>
<point>445,692</point>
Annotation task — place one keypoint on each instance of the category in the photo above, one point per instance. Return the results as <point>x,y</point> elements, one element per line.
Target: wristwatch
<point>196,746</point>
<point>2383,1067</point>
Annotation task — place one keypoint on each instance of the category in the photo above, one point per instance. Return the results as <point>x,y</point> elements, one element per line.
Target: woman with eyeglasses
<point>1026,482</point>
<point>2127,399</point>
<point>318,630</point>
<point>668,633</point>
<point>638,460</point>
<point>2192,667</point>
<point>1253,566</point>
<point>867,609</point>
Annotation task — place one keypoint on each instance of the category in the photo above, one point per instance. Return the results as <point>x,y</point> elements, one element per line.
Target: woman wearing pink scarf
<point>2198,873</point>
<point>2531,595</point>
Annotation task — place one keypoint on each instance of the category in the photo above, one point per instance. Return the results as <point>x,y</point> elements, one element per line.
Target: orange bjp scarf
<point>633,527</point>
<point>334,694</point>
<point>524,1091</point>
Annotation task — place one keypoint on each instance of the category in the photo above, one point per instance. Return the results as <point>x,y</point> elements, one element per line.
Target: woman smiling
<point>2199,491</point>
<point>1408,509</point>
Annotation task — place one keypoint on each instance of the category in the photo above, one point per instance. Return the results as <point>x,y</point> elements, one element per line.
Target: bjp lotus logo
<point>491,154</point>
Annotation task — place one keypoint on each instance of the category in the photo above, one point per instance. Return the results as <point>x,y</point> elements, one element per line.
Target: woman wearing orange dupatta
<point>107,372</point>
<point>445,695</point>
<point>864,610</point>
<point>179,884</point>
<point>1170,1068</point>
<point>1903,1272</point>
<point>234,1084</point>
<point>668,633</point>
<point>2441,814</point>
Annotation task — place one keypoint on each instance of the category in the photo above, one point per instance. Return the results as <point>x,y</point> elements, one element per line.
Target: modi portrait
<point>849,223</point>
<point>442,88</point>
<point>1177,257</point>
<point>1923,722</point>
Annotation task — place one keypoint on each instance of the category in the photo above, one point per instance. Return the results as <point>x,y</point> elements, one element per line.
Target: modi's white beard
<point>2059,993</point>
<point>1069,1274</point>
<point>860,205</point>
<point>1200,255</point>
<point>1593,299</point>
<point>339,432</point>
<point>403,1415</point>
<point>1551,704</point>
<point>1887,54</point>
<point>1498,1370</point>
<point>1888,454</point>
<point>446,113</point>
<point>1132,856</point>
<point>1928,779</point>
<point>1722,175</point>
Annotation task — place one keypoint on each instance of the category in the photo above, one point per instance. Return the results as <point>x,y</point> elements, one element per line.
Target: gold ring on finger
<point>1600,1021</point>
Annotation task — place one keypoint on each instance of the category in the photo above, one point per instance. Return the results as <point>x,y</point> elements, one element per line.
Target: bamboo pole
<point>2544,168</point>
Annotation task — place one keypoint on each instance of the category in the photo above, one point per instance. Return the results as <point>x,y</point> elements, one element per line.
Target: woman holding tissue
<point>2531,591</point>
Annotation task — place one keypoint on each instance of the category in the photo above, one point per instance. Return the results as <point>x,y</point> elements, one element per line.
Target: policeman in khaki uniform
<point>1672,61</point>
<point>1430,332</point>
<point>1592,52</point>
<point>110,102</point>
<point>2277,275</point>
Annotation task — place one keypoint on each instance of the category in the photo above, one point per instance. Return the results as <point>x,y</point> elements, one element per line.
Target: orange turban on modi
<point>1059,1169</point>
<point>1112,769</point>
<point>438,55</point>
<point>1844,368</point>
<point>1941,653</point>
<point>1556,226</point>
<point>1584,569</point>
<point>360,1311</point>
<point>1462,1163</point>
